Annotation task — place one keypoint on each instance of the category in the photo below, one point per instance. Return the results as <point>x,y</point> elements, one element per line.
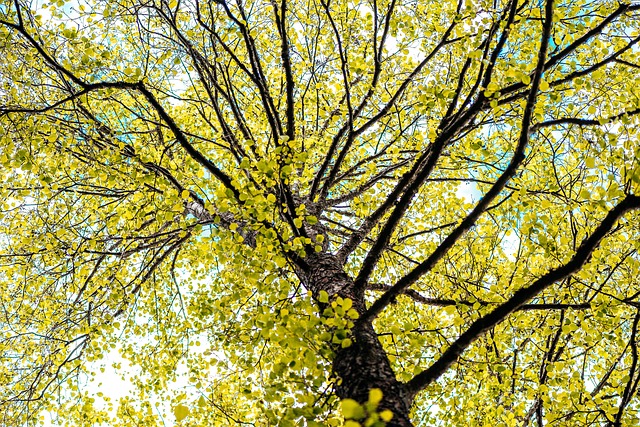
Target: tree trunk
<point>364,365</point>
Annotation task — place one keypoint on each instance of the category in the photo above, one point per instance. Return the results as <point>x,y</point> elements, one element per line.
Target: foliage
<point>320,212</point>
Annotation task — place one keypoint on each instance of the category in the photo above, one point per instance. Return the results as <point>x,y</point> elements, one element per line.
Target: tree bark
<point>364,365</point>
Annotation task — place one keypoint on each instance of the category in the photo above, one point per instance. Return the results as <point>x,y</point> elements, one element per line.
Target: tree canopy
<point>320,212</point>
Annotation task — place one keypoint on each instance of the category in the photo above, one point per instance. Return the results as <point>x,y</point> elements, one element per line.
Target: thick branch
<point>184,143</point>
<point>470,220</point>
<point>480,326</point>
<point>281,23</point>
<point>584,122</point>
<point>555,59</point>
<point>445,302</point>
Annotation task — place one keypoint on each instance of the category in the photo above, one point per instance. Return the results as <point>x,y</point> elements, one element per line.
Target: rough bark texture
<point>364,365</point>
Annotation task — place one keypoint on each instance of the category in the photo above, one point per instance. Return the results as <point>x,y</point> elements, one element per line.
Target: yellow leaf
<point>386,415</point>
<point>375,395</point>
<point>353,313</point>
<point>202,402</point>
<point>544,86</point>
<point>351,409</point>
<point>180,412</point>
<point>323,297</point>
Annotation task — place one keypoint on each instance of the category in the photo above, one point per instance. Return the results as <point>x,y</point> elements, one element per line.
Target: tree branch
<point>519,298</point>
<point>483,204</point>
<point>444,302</point>
<point>184,143</point>
<point>584,122</point>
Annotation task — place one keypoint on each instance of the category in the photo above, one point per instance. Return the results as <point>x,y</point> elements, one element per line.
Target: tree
<point>420,213</point>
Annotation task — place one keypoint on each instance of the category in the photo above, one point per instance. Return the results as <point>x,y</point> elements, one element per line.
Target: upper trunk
<point>363,365</point>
